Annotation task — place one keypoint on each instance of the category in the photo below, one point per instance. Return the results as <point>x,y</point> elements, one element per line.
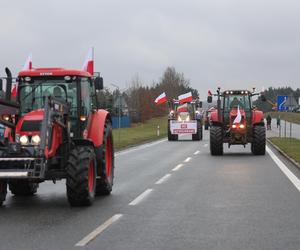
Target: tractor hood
<point>30,123</point>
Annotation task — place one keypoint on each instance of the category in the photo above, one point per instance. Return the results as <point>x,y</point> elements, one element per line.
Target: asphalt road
<point>167,195</point>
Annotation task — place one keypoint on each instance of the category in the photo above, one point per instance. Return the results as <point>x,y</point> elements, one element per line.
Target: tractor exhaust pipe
<point>8,84</point>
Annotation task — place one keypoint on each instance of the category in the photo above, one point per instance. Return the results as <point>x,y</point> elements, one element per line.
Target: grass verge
<point>140,132</point>
<point>288,116</point>
<point>289,146</point>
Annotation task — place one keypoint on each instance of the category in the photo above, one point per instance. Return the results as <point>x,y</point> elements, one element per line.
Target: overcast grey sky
<point>231,43</point>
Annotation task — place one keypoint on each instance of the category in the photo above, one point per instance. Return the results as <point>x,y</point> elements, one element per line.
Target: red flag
<point>182,108</point>
<point>162,98</point>
<point>89,62</point>
<point>185,97</point>
<point>209,93</point>
<point>14,90</point>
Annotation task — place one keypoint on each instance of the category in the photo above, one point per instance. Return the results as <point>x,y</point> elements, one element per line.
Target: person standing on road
<point>278,121</point>
<point>269,120</point>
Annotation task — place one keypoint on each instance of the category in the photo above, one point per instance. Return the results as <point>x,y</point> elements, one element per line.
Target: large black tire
<point>258,146</point>
<point>3,191</point>
<point>171,137</point>
<point>105,177</point>
<point>23,187</point>
<point>199,135</point>
<point>216,140</point>
<point>81,176</point>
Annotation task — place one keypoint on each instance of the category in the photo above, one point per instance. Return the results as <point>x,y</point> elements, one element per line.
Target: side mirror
<point>263,98</point>
<point>209,99</point>
<point>200,104</point>
<point>98,83</point>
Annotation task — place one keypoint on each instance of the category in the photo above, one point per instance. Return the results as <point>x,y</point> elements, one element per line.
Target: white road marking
<point>143,146</point>
<point>284,169</point>
<point>205,145</point>
<point>187,159</point>
<point>98,230</point>
<point>177,167</point>
<point>142,196</point>
<point>197,152</point>
<point>163,179</point>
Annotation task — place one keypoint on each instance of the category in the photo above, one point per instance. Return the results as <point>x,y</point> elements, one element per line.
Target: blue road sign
<point>282,103</point>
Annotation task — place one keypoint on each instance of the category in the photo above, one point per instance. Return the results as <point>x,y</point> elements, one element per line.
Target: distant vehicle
<point>296,109</point>
<point>236,122</point>
<point>185,119</point>
<point>207,118</point>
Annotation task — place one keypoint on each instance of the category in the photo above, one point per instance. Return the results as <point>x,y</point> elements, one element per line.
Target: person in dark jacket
<point>269,120</point>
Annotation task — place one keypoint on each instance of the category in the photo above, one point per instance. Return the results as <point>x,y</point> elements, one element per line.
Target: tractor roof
<point>54,72</point>
<point>237,92</point>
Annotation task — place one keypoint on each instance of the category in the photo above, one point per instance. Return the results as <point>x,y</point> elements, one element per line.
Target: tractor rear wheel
<point>216,140</point>
<point>3,191</point>
<point>199,135</point>
<point>81,176</point>
<point>171,137</point>
<point>258,146</point>
<point>105,178</point>
<point>23,187</point>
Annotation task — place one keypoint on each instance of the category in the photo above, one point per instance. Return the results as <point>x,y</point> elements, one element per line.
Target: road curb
<point>296,164</point>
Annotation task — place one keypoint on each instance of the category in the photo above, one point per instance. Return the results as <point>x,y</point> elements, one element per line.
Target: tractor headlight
<point>24,140</point>
<point>36,139</point>
<point>187,118</point>
<point>179,118</point>
<point>242,126</point>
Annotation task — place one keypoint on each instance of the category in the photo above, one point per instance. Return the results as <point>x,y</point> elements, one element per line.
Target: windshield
<point>33,95</point>
<point>234,101</point>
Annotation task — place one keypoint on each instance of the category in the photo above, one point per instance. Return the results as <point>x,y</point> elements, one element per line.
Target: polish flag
<point>89,62</point>
<point>185,97</point>
<point>162,98</point>
<point>182,108</point>
<point>209,93</point>
<point>28,63</point>
<point>238,116</point>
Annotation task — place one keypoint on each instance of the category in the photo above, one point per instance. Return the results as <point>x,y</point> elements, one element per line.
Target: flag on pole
<point>162,98</point>
<point>89,62</point>
<point>182,108</point>
<point>209,93</point>
<point>238,116</point>
<point>185,97</point>
<point>28,63</point>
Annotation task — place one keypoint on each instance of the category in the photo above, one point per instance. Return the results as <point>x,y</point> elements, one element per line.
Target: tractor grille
<point>31,126</point>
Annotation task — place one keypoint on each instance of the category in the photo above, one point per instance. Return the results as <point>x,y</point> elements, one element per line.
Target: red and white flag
<point>185,97</point>
<point>182,108</point>
<point>209,93</point>
<point>162,98</point>
<point>238,116</point>
<point>89,62</point>
<point>28,63</point>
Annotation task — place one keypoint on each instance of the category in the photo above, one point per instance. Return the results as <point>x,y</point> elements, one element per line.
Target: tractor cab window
<point>87,100</point>
<point>33,95</point>
<point>235,101</point>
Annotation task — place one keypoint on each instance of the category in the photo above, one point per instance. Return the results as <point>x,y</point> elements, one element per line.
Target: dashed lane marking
<point>98,230</point>
<point>284,169</point>
<point>163,179</point>
<point>205,145</point>
<point>187,159</point>
<point>197,152</point>
<point>141,197</point>
<point>177,167</point>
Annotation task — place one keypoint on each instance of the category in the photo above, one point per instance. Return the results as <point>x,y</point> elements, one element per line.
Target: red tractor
<point>236,122</point>
<point>56,130</point>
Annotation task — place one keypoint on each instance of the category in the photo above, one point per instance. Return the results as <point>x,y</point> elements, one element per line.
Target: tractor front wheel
<point>258,146</point>
<point>171,137</point>
<point>105,178</point>
<point>199,135</point>
<point>81,176</point>
<point>23,187</point>
<point>3,191</point>
<point>216,140</point>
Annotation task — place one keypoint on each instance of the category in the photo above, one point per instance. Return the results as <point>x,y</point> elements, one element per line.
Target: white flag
<point>238,116</point>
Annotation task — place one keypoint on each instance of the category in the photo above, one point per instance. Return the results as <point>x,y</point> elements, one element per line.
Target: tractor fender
<point>214,119</point>
<point>257,117</point>
<point>96,124</point>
